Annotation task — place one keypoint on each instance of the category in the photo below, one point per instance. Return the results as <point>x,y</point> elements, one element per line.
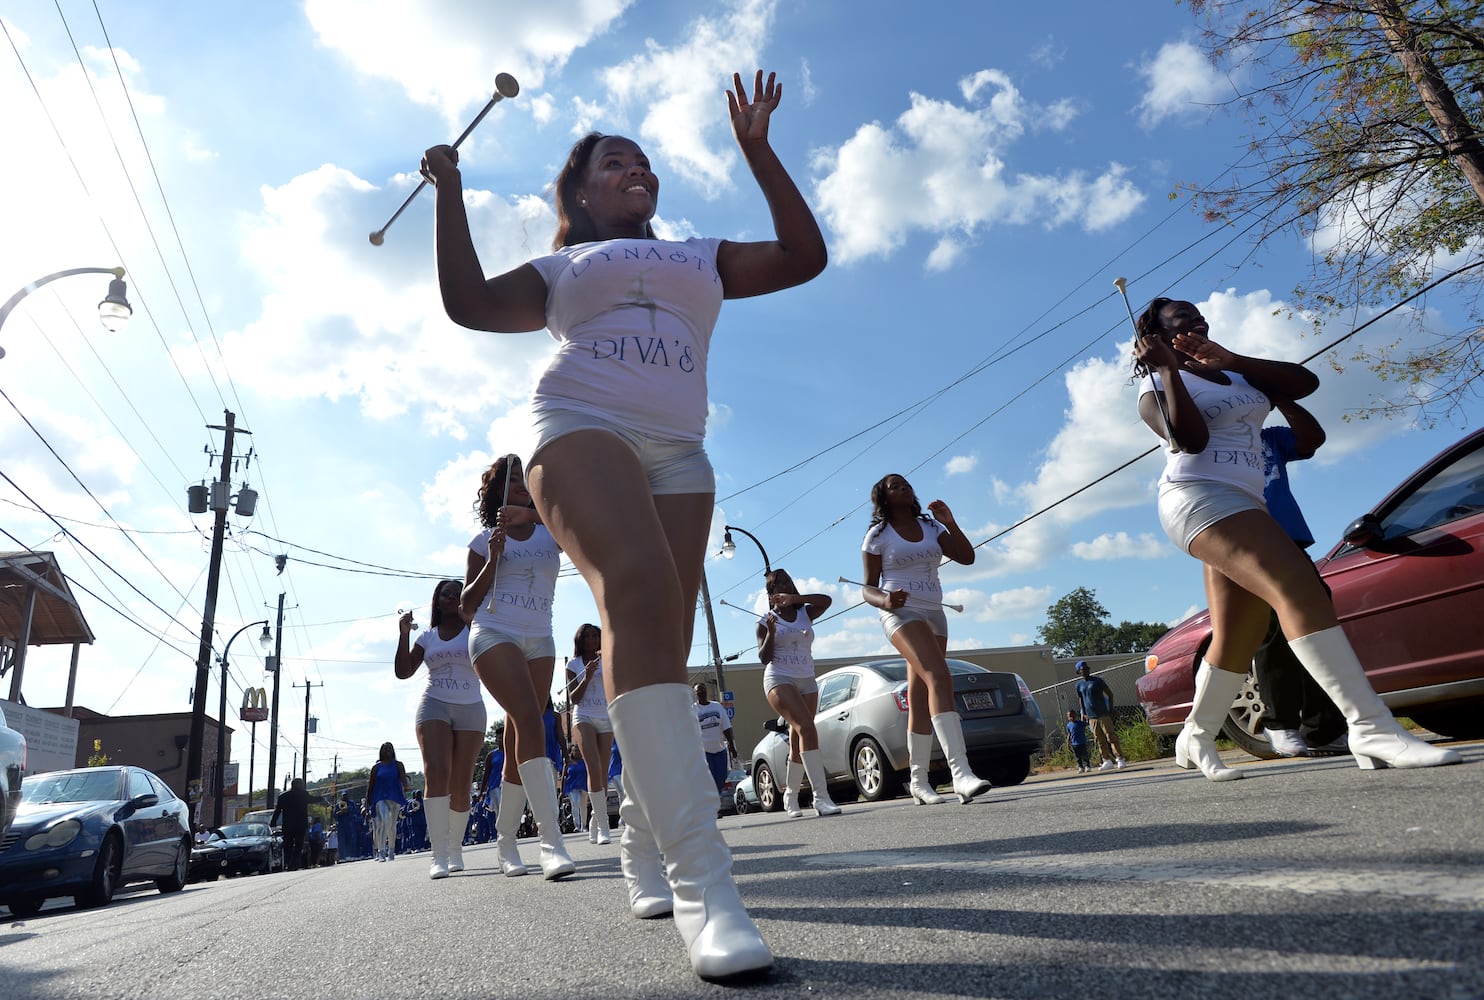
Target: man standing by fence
<point>1097,704</point>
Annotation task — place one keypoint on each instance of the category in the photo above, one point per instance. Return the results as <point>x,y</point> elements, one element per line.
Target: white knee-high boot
<point>1376,738</point>
<point>598,831</point>
<point>643,869</point>
<point>950,730</point>
<point>436,811</point>
<point>919,757</point>
<point>665,774</point>
<point>507,828</point>
<point>814,768</point>
<point>793,780</point>
<point>539,779</point>
<point>458,825</point>
<point>1215,690</point>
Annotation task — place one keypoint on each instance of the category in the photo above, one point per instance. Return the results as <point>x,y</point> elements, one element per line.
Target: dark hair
<point>387,754</point>
<point>1148,325</point>
<point>492,490</point>
<point>577,639</point>
<point>436,615</point>
<point>771,577</point>
<point>574,225</point>
<point>878,501</point>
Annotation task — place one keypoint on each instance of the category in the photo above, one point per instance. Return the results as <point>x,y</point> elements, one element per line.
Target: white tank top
<point>793,645</point>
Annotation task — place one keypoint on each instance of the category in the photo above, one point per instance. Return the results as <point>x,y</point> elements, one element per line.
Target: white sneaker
<point>1120,763</point>
<point>1106,765</point>
<point>1288,742</point>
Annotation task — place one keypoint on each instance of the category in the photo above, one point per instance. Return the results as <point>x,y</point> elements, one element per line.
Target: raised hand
<point>750,118</point>
<point>1205,355</point>
<point>940,512</point>
<point>439,162</point>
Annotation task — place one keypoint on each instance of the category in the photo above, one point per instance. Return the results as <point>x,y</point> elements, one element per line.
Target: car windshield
<point>1456,491</point>
<point>71,786</point>
<point>244,830</point>
<point>897,672</point>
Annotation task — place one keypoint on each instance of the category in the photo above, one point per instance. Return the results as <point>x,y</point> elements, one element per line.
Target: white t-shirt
<point>793,645</point>
<point>634,321</point>
<point>1234,416</point>
<point>594,703</point>
<point>909,566</point>
<point>714,724</point>
<point>451,678</point>
<point>525,581</point>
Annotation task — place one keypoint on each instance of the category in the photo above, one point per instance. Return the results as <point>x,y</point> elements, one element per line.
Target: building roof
<point>57,619</point>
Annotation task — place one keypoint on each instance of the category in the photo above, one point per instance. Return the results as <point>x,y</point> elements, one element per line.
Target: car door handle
<point>842,716</point>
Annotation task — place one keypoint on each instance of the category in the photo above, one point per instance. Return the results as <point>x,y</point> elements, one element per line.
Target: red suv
<point>1408,583</point>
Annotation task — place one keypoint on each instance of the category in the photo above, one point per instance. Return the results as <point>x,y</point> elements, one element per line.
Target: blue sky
<point>982,173</point>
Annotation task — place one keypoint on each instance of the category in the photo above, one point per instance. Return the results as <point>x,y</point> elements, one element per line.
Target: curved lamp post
<point>729,547</point>
<point>266,641</point>
<point>114,311</point>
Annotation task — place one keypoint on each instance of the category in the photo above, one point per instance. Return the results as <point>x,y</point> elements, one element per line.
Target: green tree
<point>1365,120</point>
<point>1077,625</point>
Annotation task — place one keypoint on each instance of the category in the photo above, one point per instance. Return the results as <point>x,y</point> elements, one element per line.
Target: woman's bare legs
<point>436,741</point>
<point>798,708</point>
<point>928,681</point>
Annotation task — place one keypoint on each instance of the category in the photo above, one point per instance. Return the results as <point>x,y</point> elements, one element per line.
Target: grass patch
<point>1138,741</point>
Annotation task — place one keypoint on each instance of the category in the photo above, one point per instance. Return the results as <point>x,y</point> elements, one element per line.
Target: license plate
<point>979,701</point>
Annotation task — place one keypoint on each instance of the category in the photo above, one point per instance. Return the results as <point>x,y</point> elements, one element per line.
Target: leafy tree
<point>1366,123</point>
<point>1134,637</point>
<point>98,758</point>
<point>1077,625</point>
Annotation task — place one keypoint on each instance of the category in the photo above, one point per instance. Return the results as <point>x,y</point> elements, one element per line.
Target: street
<point>1309,878</point>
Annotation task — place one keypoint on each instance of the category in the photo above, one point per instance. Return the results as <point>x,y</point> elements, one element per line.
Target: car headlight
<point>60,835</point>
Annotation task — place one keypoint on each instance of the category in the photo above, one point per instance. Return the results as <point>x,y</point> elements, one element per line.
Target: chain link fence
<point>1060,698</point>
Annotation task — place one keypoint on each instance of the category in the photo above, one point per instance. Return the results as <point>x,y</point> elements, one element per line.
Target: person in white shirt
<point>1209,404</point>
<point>785,645</point>
<point>450,721</point>
<point>590,723</point>
<point>716,736</point>
<point>901,551</point>
<point>620,471</point>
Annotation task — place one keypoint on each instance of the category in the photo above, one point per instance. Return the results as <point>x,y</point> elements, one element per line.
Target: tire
<point>105,875</point>
<point>874,776</point>
<point>1005,771</point>
<point>1456,722</point>
<point>1244,722</point>
<point>176,880</point>
<point>26,906</point>
<point>739,801</point>
<point>769,797</point>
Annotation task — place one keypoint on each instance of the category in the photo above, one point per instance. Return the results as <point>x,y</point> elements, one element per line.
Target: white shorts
<point>1188,508</point>
<point>600,723</point>
<point>935,617</point>
<point>772,678</point>
<point>672,465</point>
<point>482,639</point>
<point>470,717</point>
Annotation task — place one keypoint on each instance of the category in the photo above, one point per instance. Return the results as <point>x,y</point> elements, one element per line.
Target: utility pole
<point>273,712</point>
<point>308,686</point>
<point>721,681</point>
<point>219,501</point>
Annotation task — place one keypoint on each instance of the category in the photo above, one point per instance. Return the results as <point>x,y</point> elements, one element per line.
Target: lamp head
<point>266,639</point>
<point>728,547</point>
<point>114,311</point>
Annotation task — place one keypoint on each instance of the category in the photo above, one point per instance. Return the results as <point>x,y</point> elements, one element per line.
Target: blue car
<point>86,832</point>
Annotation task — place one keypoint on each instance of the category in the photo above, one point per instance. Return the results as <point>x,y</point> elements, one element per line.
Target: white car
<point>12,767</point>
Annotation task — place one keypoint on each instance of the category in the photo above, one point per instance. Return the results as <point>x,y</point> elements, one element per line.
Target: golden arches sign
<point>254,705</point>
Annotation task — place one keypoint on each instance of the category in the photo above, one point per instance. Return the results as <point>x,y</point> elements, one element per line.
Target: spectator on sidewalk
<point>1077,737</point>
<point>1097,706</point>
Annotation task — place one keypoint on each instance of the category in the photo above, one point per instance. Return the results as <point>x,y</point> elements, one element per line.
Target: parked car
<point>1408,585</point>
<point>729,790</point>
<point>744,797</point>
<point>86,832</point>
<point>862,723</point>
<point>237,849</point>
<point>12,766</point>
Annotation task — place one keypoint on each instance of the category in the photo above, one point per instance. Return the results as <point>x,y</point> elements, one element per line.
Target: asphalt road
<point>1310,879</point>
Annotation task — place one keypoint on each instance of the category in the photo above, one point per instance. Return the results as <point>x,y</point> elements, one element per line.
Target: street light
<point>113,311</point>
<point>265,640</point>
<point>729,547</point>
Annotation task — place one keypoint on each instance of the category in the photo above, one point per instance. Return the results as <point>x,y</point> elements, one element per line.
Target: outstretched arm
<point>797,253</point>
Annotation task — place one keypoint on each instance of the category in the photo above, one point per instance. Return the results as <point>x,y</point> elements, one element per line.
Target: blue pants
<point>720,764</point>
<point>1084,758</point>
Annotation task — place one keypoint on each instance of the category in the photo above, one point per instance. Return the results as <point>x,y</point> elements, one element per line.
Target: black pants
<point>293,848</point>
<point>1291,698</point>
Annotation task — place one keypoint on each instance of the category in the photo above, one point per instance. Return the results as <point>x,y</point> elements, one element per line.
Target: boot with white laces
<point>814,768</point>
<point>507,828</point>
<point>793,782</point>
<point>539,780</point>
<point>436,811</point>
<point>950,730</point>
<point>1376,739</point>
<point>643,868</point>
<point>665,775</point>
<point>919,756</point>
<point>1215,690</point>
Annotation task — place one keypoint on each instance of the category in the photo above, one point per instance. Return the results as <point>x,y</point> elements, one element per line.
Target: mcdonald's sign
<point>254,705</point>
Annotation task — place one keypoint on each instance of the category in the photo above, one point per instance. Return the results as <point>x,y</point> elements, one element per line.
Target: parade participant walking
<point>1211,506</point>
<point>293,807</point>
<point>1097,707</point>
<point>508,587</point>
<point>494,766</point>
<point>901,551</point>
<point>386,793</point>
<point>785,647</point>
<point>590,722</point>
<point>450,722</point>
<point>574,786</point>
<point>623,404</point>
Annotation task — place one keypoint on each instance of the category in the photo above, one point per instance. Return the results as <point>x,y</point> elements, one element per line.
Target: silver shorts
<point>935,617</point>
<point>672,465</point>
<point>482,639</point>
<point>461,718</point>
<point>772,678</point>
<point>602,725</point>
<point>1188,508</point>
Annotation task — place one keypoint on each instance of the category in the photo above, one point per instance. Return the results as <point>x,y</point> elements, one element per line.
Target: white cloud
<point>1120,545</point>
<point>1005,604</point>
<point>960,464</point>
<point>941,168</point>
<point>1182,83</point>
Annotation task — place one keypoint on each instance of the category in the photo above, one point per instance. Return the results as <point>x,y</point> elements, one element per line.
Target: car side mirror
<point>143,801</point>
<point>775,726</point>
<point>1365,530</point>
